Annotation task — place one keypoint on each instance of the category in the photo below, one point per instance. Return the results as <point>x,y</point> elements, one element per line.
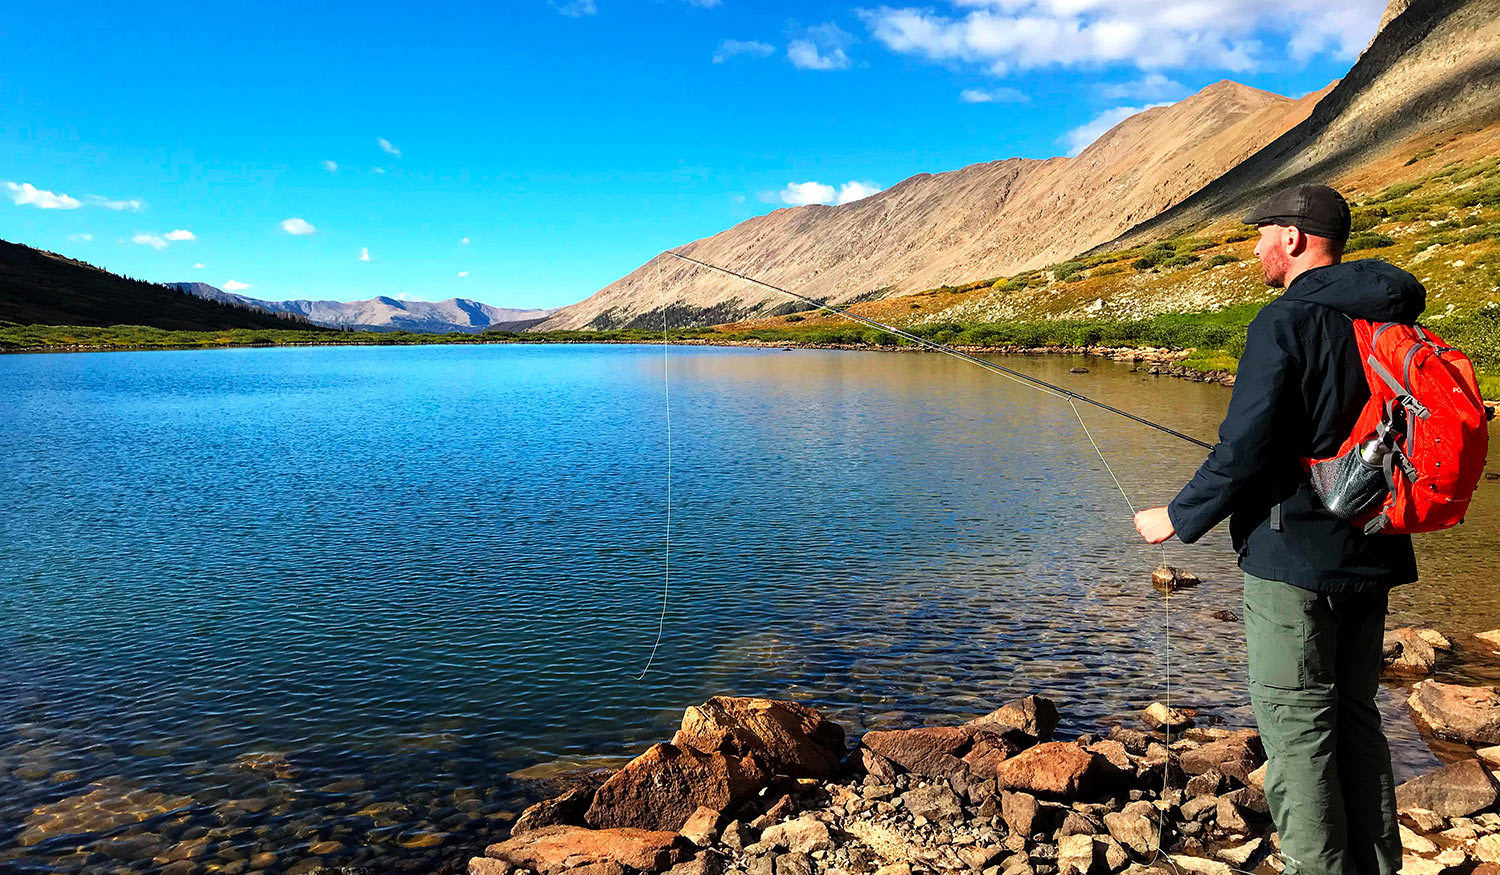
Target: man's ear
<point>1296,241</point>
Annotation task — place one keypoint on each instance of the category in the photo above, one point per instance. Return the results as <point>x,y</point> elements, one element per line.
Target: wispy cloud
<point>298,227</point>
<point>1080,137</point>
<point>822,47</point>
<point>155,241</point>
<point>463,241</point>
<point>575,8</point>
<point>993,95</point>
<point>364,254</point>
<point>463,273</point>
<point>26,194</point>
<point>198,265</point>
<point>378,171</point>
<point>180,234</point>
<point>730,48</point>
<point>81,238</point>
<point>800,194</point>
<point>1152,86</point>
<point>331,166</point>
<point>235,286</point>
<point>387,147</point>
<point>134,205</point>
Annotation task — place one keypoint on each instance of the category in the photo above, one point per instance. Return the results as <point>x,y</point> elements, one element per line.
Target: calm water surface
<point>261,609</point>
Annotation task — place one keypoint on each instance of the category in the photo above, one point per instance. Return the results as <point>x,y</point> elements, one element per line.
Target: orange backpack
<point>1417,451</point>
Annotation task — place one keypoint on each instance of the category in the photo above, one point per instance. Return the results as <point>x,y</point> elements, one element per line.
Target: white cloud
<point>1152,86</point>
<point>331,166</point>
<point>1080,137</point>
<point>81,238</point>
<point>235,286</point>
<point>1233,35</point>
<point>820,48</point>
<point>800,194</point>
<point>26,194</point>
<point>180,234</point>
<point>463,241</point>
<point>134,205</point>
<point>729,48</point>
<point>463,273</point>
<point>155,241</point>
<point>298,227</point>
<point>378,171</point>
<point>364,254</point>
<point>706,4</point>
<point>387,147</point>
<point>198,265</point>
<point>575,8</point>
<point>993,95</point>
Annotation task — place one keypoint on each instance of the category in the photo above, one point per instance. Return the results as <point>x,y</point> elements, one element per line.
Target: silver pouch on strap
<point>1356,482</point>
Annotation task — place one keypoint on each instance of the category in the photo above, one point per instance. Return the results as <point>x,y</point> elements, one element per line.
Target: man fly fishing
<point>1315,584</point>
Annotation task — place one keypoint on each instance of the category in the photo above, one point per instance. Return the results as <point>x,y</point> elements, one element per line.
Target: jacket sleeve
<point>1268,370</point>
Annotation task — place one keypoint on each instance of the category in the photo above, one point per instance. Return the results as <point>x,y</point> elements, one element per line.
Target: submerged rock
<point>1162,717</point>
<point>1170,578</point>
<point>1470,714</point>
<point>1412,651</point>
<point>1456,790</point>
<point>786,737</point>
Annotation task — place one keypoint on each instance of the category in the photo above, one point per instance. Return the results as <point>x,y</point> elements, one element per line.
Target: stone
<point>866,761</point>
<point>794,864</point>
<point>802,835</point>
<point>1407,652</point>
<point>1075,823</point>
<point>1490,756</point>
<point>1235,756</point>
<point>1200,808</point>
<point>980,858</point>
<point>702,863</point>
<point>894,869</point>
<point>1056,768</point>
<point>1412,865</point>
<point>1135,832</point>
<point>1036,716</point>
<point>736,835</point>
<point>701,827</point>
<point>1075,855</point>
<point>788,738</point>
<point>934,802</point>
<point>1115,857</point>
<point>662,787</point>
<point>1239,856</point>
<point>763,865</point>
<point>1424,820</point>
<point>1134,740</point>
<point>1023,814</point>
<point>1414,843</point>
<point>1241,811</point>
<point>1469,714</point>
<point>1257,778</point>
<point>566,809</point>
<point>1162,718</point>
<point>1438,640</point>
<point>557,848</point>
<point>1487,849</point>
<point>489,866</point>
<point>1207,784</point>
<point>1200,865</point>
<point>1490,639</point>
<point>988,750</point>
<point>929,751</point>
<point>1455,790</point>
<point>1169,578</point>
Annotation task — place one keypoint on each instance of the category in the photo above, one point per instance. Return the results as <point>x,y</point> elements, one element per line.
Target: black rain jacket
<point>1299,389</point>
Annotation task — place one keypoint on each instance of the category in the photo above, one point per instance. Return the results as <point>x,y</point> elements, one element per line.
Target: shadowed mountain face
<point>1434,67</point>
<point>386,314</point>
<point>983,220</point>
<point>43,288</point>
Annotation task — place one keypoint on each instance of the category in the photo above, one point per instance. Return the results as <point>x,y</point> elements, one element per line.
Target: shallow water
<point>326,601</point>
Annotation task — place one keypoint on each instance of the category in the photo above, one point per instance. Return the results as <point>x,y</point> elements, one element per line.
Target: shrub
<point>1485,195</point>
<point>1151,258</point>
<point>1109,269</point>
<point>1180,260</point>
<point>1222,258</point>
<point>1015,284</point>
<point>1424,154</point>
<point>1195,244</point>
<point>795,317</point>
<point>1368,240</point>
<point>1483,232</point>
<point>1395,190</point>
<point>1365,218</point>
<point>1249,232</point>
<point>1067,271</point>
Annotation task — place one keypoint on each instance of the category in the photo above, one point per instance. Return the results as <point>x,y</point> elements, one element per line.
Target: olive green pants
<point>1315,664</point>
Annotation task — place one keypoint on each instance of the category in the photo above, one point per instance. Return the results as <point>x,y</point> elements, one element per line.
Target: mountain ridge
<point>385,313</point>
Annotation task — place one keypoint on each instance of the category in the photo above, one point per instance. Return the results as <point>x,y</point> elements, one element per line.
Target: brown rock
<point>988,750</point>
<point>557,848</point>
<point>1075,855</point>
<point>930,751</point>
<point>701,827</point>
<point>1170,578</point>
<point>565,809</point>
<point>934,802</point>
<point>1034,715</point>
<point>1455,790</point>
<point>489,866</point>
<point>866,761</point>
<point>1023,814</point>
<point>1135,832</point>
<point>1055,768</point>
<point>787,737</point>
<point>1470,714</point>
<point>803,835</point>
<point>1235,756</point>
<point>1407,652</point>
<point>1162,718</point>
<point>662,787</point>
<point>702,863</point>
<point>1206,784</point>
<point>1491,639</point>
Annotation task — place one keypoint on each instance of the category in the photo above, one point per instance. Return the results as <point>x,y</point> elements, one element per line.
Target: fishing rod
<point>948,350</point>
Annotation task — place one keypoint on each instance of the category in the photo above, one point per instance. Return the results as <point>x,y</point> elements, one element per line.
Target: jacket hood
<point>1364,289</point>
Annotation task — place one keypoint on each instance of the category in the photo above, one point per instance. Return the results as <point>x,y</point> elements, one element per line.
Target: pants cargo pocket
<point>1275,638</point>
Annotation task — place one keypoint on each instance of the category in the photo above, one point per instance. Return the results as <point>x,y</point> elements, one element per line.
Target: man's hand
<point>1154,525</point>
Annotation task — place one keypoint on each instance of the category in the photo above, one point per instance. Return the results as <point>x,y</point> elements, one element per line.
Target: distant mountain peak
<point>385,313</point>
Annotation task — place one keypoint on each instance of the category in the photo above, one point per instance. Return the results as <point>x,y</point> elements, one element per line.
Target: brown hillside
<point>983,220</point>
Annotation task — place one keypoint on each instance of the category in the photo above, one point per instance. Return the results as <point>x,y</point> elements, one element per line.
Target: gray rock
<point>1455,790</point>
<point>794,864</point>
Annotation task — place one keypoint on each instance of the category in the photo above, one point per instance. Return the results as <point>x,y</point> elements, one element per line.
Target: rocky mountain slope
<point>385,314</point>
<point>983,220</point>
<point>44,288</point>
<point>1433,68</point>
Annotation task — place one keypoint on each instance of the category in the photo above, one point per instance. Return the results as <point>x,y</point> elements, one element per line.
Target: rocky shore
<point>755,786</point>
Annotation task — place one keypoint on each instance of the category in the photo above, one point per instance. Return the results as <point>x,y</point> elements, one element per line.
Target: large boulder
<point>662,787</point>
<point>1407,651</point>
<point>566,809</point>
<point>1455,790</point>
<point>788,738</point>
<point>1236,756</point>
<point>929,751</point>
<point>560,848</point>
<point>1470,714</point>
<point>1034,715</point>
<point>1056,769</point>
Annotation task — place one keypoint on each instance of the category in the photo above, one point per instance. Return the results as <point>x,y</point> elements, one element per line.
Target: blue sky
<point>526,153</point>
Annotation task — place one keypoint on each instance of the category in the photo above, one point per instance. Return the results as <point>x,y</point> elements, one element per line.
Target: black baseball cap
<point>1312,209</point>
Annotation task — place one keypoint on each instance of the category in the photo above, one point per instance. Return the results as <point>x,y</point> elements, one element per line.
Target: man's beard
<point>1274,273</point>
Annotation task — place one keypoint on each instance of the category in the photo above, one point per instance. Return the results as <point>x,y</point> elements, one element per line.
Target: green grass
<point>1368,240</point>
